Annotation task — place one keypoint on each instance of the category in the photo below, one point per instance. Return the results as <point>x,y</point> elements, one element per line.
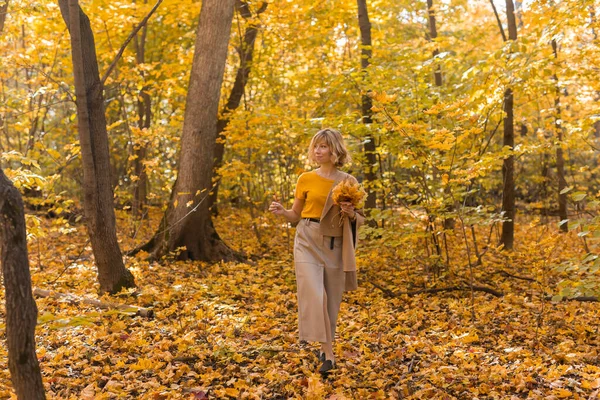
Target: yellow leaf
<point>117,326</point>
<point>146,364</point>
<point>595,384</point>
<point>315,388</point>
<point>445,178</point>
<point>563,393</point>
<point>468,337</point>
<point>89,392</point>
<point>54,154</point>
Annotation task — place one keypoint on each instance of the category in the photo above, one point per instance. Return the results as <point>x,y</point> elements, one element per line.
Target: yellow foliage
<point>348,191</point>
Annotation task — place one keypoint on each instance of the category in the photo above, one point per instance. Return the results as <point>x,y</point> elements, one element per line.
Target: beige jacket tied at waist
<point>333,224</point>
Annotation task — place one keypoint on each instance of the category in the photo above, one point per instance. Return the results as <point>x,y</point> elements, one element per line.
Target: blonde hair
<point>335,141</point>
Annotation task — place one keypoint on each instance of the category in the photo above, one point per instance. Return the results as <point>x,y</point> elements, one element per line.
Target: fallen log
<point>139,311</point>
<point>524,278</point>
<point>455,288</point>
<point>484,289</point>
<point>579,298</point>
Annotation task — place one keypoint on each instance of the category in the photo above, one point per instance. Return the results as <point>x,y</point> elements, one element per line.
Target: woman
<point>324,245</point>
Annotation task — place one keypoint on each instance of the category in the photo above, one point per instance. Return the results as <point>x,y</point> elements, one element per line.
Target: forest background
<point>474,128</point>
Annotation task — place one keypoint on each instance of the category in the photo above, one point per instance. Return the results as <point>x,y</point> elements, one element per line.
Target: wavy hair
<point>333,138</point>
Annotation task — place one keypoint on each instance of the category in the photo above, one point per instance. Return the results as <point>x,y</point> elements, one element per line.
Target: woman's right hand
<point>276,208</point>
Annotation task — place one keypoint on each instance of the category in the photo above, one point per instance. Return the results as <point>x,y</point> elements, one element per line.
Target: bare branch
<point>498,19</point>
<point>131,36</point>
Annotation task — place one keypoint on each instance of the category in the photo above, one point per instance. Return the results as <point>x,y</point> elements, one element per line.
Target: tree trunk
<point>592,20</point>
<point>560,160</point>
<point>511,20</point>
<point>449,222</point>
<point>433,35</point>
<point>3,12</point>
<point>140,189</point>
<point>21,311</point>
<point>187,223</point>
<point>370,147</point>
<point>508,168</point>
<point>93,138</point>
<point>508,172</point>
<point>519,10</point>
<point>595,35</point>
<point>246,52</point>
<point>3,120</point>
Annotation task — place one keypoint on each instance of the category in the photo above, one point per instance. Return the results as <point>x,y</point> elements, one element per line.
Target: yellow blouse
<point>313,189</point>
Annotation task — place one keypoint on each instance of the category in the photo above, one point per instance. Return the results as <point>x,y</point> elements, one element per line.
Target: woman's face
<point>322,153</point>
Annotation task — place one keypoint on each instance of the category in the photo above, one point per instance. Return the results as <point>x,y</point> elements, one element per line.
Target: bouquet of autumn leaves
<point>348,191</point>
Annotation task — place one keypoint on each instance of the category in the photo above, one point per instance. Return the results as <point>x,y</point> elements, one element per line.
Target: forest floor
<point>229,331</point>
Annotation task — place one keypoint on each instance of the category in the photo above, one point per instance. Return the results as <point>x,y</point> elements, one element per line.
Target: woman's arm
<point>293,214</point>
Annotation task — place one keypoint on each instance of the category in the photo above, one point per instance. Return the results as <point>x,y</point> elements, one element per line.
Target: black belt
<point>318,220</point>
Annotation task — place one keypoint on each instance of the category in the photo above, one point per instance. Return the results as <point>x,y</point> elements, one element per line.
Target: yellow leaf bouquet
<point>349,191</point>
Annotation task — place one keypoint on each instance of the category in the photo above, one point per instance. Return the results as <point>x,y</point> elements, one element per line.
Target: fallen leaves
<point>229,331</point>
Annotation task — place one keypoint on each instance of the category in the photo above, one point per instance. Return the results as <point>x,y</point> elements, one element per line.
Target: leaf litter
<point>229,331</point>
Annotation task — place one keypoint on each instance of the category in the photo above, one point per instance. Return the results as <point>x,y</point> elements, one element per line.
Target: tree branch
<point>142,312</point>
<point>131,36</point>
<point>525,278</point>
<point>484,289</point>
<point>498,19</point>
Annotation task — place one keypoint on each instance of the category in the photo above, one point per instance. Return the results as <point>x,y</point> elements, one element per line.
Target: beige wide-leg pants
<point>320,281</point>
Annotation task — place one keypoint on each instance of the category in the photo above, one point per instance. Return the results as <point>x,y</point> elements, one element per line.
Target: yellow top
<point>313,189</point>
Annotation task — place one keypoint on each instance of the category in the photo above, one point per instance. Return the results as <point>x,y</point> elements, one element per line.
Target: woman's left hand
<point>348,209</point>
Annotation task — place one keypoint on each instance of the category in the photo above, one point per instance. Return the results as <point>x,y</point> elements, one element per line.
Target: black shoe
<point>320,355</point>
<point>327,366</point>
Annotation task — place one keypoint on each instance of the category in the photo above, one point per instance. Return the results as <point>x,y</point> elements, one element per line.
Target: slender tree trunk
<point>3,12</point>
<point>3,120</point>
<point>187,223</point>
<point>542,193</point>
<point>21,311</point>
<point>246,52</point>
<point>433,35</point>
<point>140,190</point>
<point>595,35</point>
<point>592,20</point>
<point>437,75</point>
<point>560,160</point>
<point>518,10</point>
<point>508,172</point>
<point>93,138</point>
<point>508,168</point>
<point>370,148</point>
